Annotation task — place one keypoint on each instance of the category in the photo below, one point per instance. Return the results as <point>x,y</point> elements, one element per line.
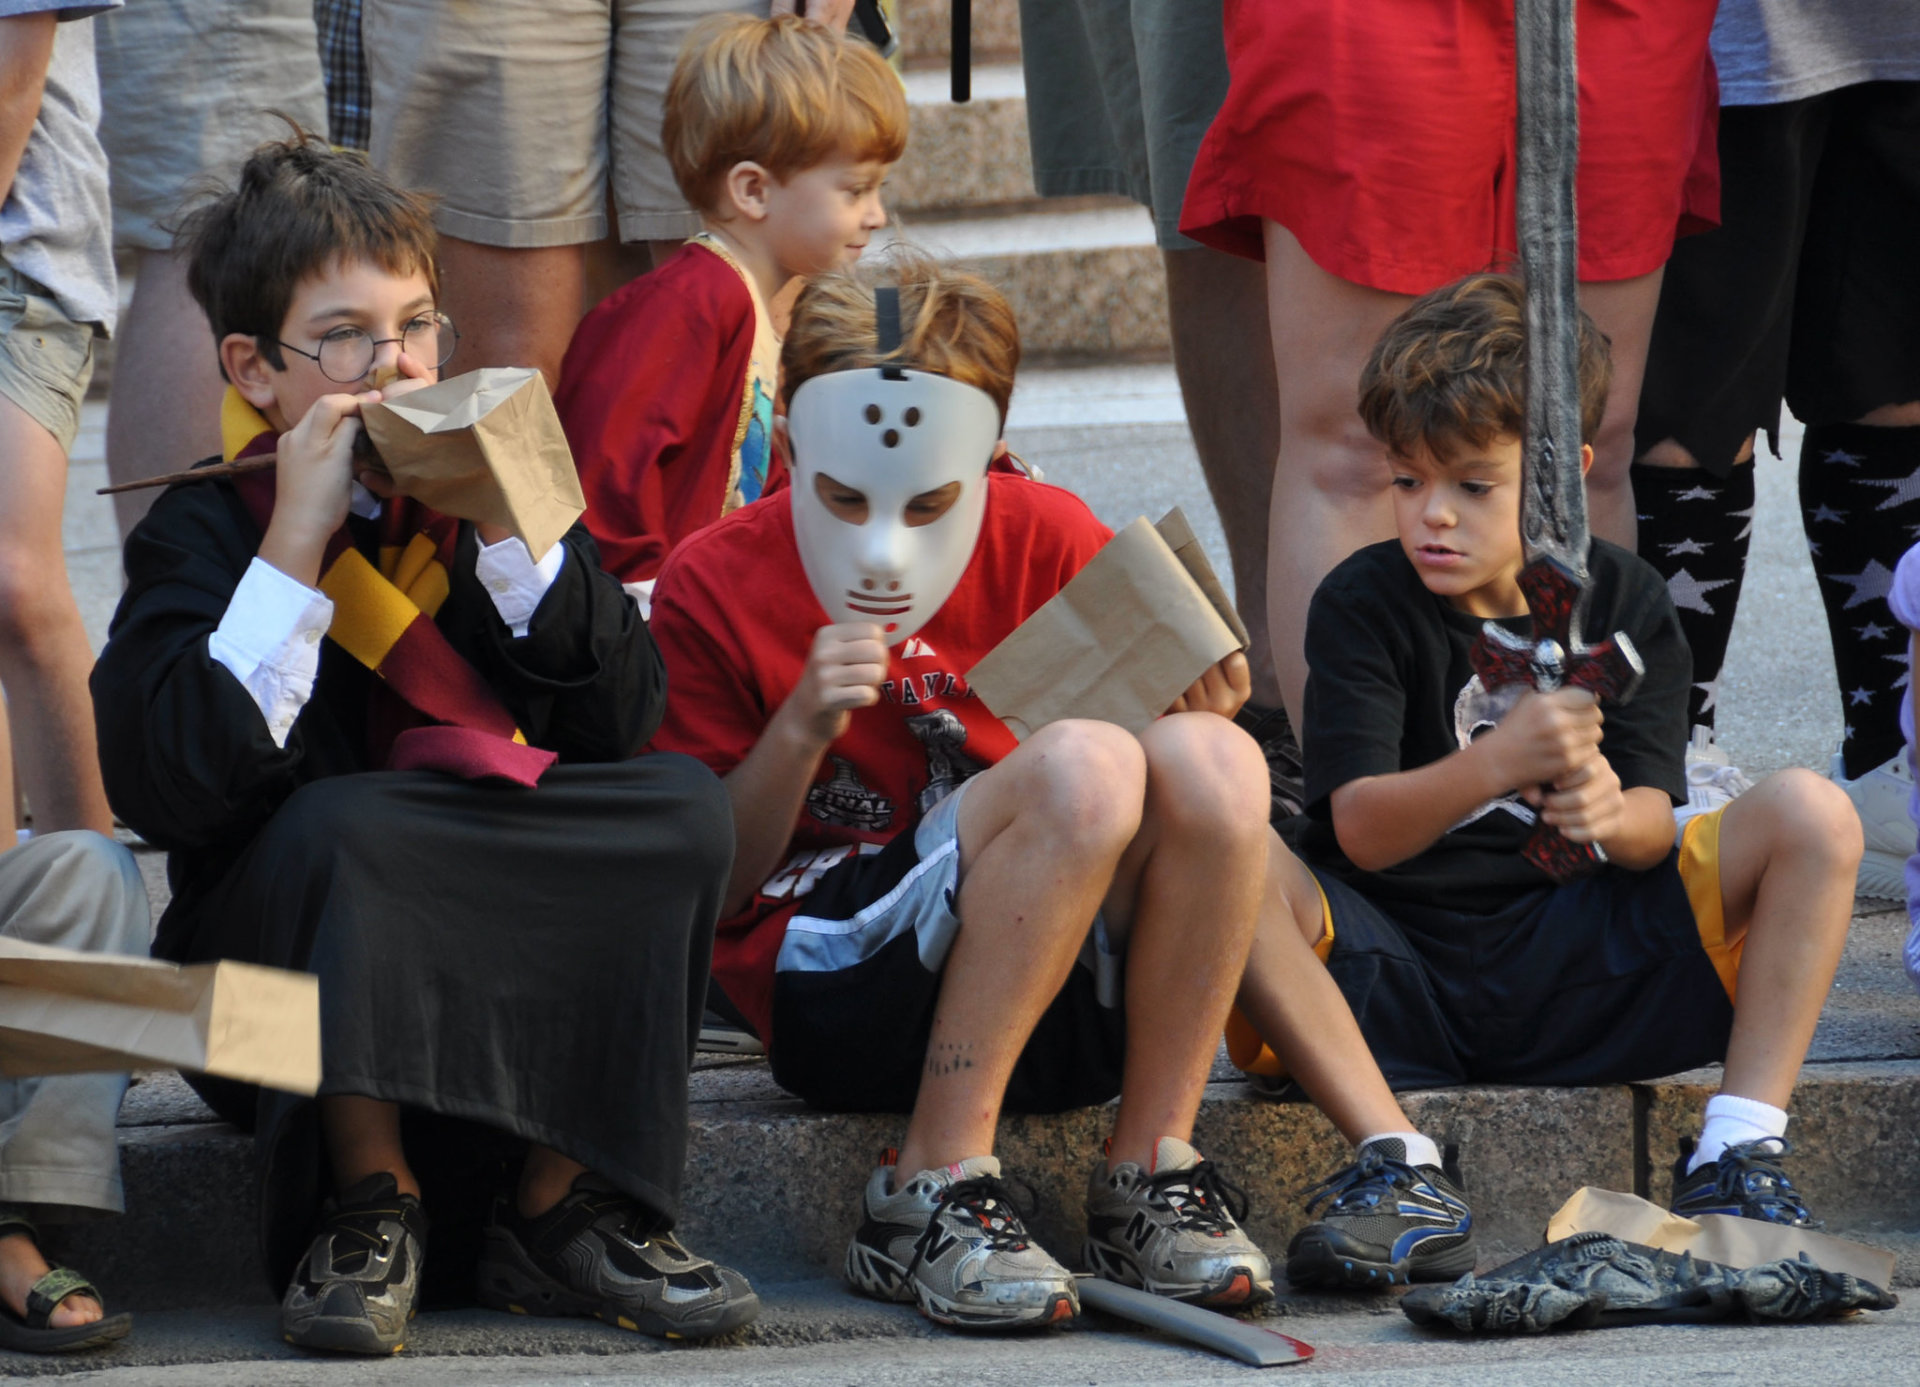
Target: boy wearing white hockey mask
<point>925,915</point>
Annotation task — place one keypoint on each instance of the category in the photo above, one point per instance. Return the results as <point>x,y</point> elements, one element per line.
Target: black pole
<point>962,48</point>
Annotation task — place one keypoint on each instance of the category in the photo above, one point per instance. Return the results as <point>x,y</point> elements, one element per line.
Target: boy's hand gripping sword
<point>1553,512</point>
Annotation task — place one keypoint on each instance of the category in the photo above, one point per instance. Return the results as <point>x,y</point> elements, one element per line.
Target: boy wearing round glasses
<point>395,750</point>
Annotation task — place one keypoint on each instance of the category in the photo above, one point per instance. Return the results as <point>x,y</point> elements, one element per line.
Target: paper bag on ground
<point>1732,1242</point>
<point>486,447</point>
<point>63,1011</point>
<point>1119,643</point>
<point>1180,538</point>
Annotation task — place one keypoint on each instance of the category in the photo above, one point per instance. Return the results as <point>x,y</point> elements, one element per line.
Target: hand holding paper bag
<point>1119,643</point>
<point>485,447</point>
<point>67,1012</point>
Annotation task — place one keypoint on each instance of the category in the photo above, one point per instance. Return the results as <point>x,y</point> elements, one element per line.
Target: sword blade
<point>1553,519</point>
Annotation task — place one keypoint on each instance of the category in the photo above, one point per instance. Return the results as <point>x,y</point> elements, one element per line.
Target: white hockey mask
<point>892,434</point>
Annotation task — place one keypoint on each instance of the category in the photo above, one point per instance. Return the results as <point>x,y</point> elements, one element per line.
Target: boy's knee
<point>1807,813</point>
<point>1086,779</point>
<point>1204,772</point>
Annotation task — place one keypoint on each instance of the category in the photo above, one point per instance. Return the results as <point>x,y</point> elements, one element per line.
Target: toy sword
<point>1553,510</point>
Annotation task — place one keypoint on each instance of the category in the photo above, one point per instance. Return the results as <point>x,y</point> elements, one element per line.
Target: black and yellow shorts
<point>1618,977</point>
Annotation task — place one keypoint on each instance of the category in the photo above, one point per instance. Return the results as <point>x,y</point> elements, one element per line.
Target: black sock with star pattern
<point>1860,502</point>
<point>1695,528</point>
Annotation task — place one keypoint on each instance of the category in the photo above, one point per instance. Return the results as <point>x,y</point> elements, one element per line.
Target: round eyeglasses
<point>346,354</point>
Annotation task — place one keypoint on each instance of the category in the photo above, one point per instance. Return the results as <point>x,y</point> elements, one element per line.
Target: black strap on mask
<point>886,314</point>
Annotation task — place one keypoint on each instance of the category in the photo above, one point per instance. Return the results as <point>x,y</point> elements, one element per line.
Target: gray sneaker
<point>598,1252</point>
<point>951,1240</point>
<point>1174,1230</point>
<point>354,1291</point>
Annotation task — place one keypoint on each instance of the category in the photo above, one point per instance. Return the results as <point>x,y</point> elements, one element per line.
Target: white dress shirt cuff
<point>514,581</point>
<point>269,638</point>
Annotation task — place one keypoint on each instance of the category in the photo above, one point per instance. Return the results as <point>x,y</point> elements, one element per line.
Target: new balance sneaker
<point>355,1289</point>
<point>1746,1182</point>
<point>1174,1230</point>
<point>1713,781</point>
<point>952,1241</point>
<point>1881,798</point>
<point>597,1253</point>
<point>1384,1221</point>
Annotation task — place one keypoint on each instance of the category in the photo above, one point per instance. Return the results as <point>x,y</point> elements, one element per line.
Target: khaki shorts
<point>187,88</point>
<point>46,359</point>
<point>511,112</point>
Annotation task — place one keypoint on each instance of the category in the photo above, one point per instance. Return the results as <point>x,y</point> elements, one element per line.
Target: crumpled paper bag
<point>1732,1242</point>
<point>64,1011</point>
<point>1119,643</point>
<point>487,447</point>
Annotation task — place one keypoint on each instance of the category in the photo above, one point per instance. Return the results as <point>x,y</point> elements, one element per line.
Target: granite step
<point>1085,280</point>
<point>773,1187</point>
<point>926,26</point>
<point>965,158</point>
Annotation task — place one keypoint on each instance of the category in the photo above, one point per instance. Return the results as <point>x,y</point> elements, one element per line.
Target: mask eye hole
<point>873,414</point>
<point>891,438</point>
<point>912,417</point>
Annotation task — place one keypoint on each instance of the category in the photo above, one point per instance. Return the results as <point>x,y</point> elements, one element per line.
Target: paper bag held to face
<point>63,1011</point>
<point>1119,643</point>
<point>486,447</point>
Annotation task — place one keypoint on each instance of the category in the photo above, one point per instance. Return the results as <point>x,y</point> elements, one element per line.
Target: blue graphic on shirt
<point>755,447</point>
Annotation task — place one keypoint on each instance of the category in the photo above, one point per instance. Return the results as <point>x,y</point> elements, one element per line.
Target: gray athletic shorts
<point>511,113</point>
<point>188,88</point>
<point>1119,94</point>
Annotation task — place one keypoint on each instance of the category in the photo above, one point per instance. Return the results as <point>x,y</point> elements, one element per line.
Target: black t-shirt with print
<point>1390,688</point>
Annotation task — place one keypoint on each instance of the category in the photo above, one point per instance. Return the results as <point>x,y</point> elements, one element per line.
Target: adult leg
<point>1788,851</point>
<point>513,306</point>
<point>165,408</point>
<point>1293,1002</point>
<point>1622,310</point>
<point>74,891</point>
<point>1040,836</point>
<point>44,656</point>
<point>1330,483</point>
<point>1223,354</point>
<point>1186,895</point>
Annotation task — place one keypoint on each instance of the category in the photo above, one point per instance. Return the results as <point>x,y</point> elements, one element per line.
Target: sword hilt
<point>1554,658</point>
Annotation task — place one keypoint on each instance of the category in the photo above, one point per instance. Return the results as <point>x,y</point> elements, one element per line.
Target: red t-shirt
<point>734,618</point>
<point>658,393</point>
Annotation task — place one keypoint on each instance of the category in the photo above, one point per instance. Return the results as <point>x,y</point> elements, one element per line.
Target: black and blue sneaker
<point>1384,1222</point>
<point>1745,1182</point>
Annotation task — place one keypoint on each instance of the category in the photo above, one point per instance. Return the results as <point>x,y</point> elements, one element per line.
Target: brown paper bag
<point>1732,1242</point>
<point>486,447</point>
<point>63,1011</point>
<point>1178,534</point>
<point>1119,643</point>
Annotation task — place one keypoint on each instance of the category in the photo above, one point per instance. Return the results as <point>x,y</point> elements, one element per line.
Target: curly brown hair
<point>1451,371</point>
<point>298,207</point>
<point>951,323</point>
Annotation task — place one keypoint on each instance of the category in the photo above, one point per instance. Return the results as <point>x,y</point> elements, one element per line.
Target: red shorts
<point>1381,134</point>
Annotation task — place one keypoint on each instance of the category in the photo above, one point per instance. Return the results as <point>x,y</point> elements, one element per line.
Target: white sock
<point>1420,1150</point>
<point>1732,1120</point>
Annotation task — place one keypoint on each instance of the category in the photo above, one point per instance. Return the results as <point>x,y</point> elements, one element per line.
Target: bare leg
<point>1789,849</point>
<point>1223,354</point>
<point>545,1180</point>
<point>1040,836</point>
<point>363,1138</point>
<point>21,1264</point>
<point>1623,310</point>
<point>164,413</point>
<point>1330,486</point>
<point>1293,1002</point>
<point>1187,893</point>
<point>512,307</point>
<point>44,655</point>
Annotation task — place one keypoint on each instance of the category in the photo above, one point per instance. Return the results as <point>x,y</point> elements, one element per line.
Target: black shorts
<point>859,976</point>
<point>1808,291</point>
<point>1619,977</point>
